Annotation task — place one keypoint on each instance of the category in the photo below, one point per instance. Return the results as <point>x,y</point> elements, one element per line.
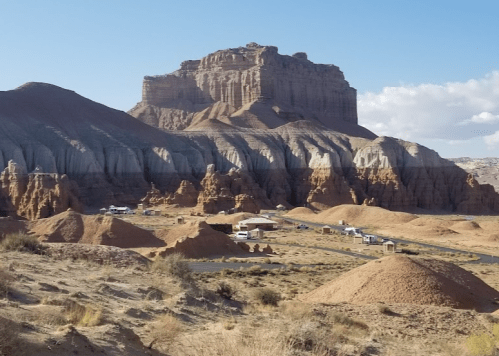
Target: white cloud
<point>482,118</point>
<point>452,112</point>
<point>492,141</point>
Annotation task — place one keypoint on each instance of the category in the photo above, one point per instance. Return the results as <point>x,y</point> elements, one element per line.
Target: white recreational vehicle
<point>120,210</point>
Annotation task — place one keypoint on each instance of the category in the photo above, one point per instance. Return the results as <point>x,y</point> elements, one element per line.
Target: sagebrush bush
<point>165,330</point>
<point>267,296</point>
<point>174,265</point>
<point>21,242</point>
<point>225,290</point>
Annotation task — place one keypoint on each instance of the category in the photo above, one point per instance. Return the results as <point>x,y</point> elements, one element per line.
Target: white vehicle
<point>370,239</point>
<point>351,231</point>
<point>242,235</point>
<point>120,210</point>
<point>302,227</point>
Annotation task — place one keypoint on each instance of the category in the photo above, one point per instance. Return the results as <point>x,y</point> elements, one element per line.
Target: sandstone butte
<point>245,127</point>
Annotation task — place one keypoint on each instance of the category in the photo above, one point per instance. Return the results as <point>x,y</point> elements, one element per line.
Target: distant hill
<point>485,170</point>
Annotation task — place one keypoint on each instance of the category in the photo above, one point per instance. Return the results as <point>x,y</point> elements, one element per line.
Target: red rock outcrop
<point>235,189</point>
<point>37,195</point>
<point>186,195</point>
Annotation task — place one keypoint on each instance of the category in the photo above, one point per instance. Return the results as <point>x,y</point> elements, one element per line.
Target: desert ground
<point>61,298</point>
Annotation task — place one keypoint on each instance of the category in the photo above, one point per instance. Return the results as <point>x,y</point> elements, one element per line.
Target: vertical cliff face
<point>253,81</point>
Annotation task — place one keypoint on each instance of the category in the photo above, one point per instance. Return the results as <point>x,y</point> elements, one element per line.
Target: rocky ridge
<point>113,158</point>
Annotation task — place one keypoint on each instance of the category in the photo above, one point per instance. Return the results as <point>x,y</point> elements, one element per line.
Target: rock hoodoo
<point>252,86</point>
<point>36,195</point>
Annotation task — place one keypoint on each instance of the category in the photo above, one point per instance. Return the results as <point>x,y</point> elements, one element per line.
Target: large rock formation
<point>114,157</point>
<point>252,86</point>
<point>234,190</point>
<point>36,195</point>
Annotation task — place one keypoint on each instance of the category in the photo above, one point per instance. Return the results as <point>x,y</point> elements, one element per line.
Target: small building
<point>257,233</point>
<point>326,229</point>
<point>179,220</point>
<point>140,207</point>
<point>389,246</point>
<point>358,239</point>
<point>157,212</point>
<point>103,211</point>
<point>280,207</point>
<point>341,222</point>
<point>254,223</point>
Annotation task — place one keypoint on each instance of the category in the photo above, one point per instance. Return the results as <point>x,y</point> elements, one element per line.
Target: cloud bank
<point>452,113</point>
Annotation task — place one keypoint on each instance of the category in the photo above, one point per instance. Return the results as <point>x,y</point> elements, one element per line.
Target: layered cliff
<point>114,157</point>
<point>252,87</point>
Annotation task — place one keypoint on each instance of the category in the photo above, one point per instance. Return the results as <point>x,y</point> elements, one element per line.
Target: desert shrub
<point>347,321</point>
<point>174,265</point>
<point>165,330</point>
<point>83,315</point>
<point>267,296</point>
<point>310,336</point>
<point>21,242</point>
<point>225,290</point>
<point>383,309</point>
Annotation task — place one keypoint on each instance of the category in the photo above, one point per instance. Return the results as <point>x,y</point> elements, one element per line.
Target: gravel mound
<point>100,254</point>
<point>300,212</point>
<point>363,215</point>
<point>402,279</point>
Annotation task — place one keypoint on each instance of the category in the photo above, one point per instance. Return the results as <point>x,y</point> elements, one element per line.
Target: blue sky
<point>423,70</point>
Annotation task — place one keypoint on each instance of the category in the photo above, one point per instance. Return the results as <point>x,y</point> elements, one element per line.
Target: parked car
<point>302,227</point>
<point>242,235</point>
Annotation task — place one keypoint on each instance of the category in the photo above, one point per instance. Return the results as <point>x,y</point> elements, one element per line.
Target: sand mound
<point>300,212</point>
<point>196,240</point>
<point>493,238</point>
<point>401,279</point>
<point>101,254</point>
<point>466,225</point>
<point>73,227</point>
<point>363,215</point>
<point>229,219</point>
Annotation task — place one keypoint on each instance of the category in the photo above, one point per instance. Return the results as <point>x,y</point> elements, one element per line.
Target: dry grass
<point>21,242</point>
<point>174,265</point>
<point>164,331</point>
<point>6,281</point>
<point>83,315</point>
